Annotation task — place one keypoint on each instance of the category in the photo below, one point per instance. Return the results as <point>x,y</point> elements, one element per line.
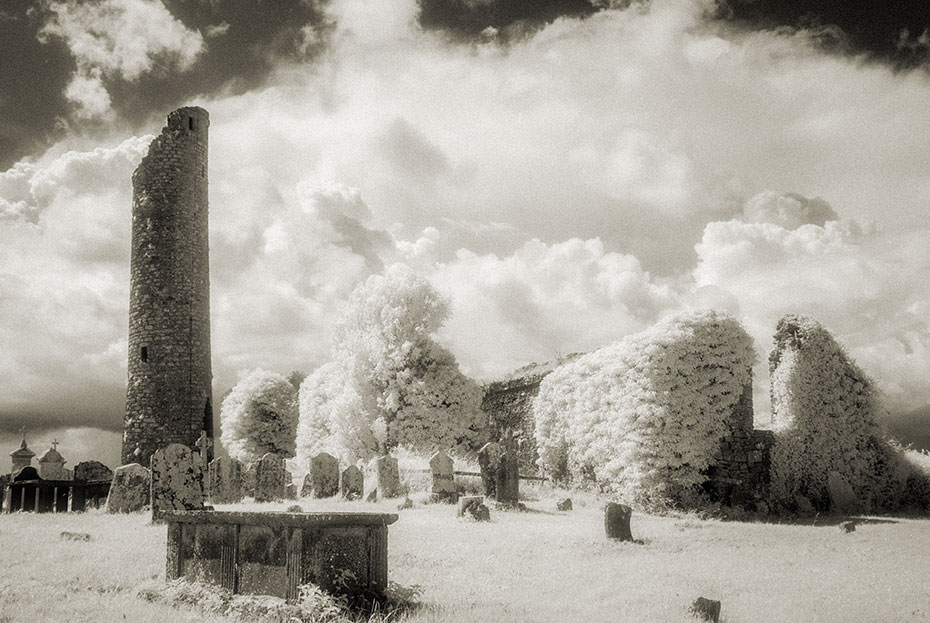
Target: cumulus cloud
<point>866,286</point>
<point>555,187</point>
<point>122,39</point>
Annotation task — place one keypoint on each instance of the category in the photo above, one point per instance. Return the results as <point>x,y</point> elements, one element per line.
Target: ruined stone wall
<point>509,405</point>
<point>740,476</point>
<point>169,393</point>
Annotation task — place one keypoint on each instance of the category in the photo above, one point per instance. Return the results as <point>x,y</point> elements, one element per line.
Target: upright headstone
<point>617,521</point>
<point>507,482</point>
<point>441,466</point>
<point>177,480</point>
<point>224,481</point>
<point>489,460</point>
<point>306,489</point>
<point>271,478</point>
<point>248,479</point>
<point>353,483</point>
<point>706,609</point>
<point>129,490</point>
<point>324,475</point>
<point>92,471</point>
<point>382,479</point>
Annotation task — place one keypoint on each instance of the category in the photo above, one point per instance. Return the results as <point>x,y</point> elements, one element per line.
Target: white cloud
<point>116,39</point>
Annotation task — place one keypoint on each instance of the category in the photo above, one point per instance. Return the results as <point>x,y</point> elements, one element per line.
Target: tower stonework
<point>169,397</point>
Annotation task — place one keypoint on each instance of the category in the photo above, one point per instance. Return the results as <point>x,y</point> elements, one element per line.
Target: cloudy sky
<point>567,172</point>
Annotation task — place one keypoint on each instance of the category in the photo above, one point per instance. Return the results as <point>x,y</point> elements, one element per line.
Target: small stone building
<point>21,457</point>
<point>52,465</point>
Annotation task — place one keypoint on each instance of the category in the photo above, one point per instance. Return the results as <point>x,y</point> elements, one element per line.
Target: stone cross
<point>55,443</point>
<point>204,444</point>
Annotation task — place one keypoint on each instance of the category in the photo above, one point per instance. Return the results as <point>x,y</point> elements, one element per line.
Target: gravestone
<point>489,458</point>
<point>564,504</point>
<point>617,521</point>
<point>507,480</point>
<point>224,481</point>
<point>324,475</point>
<point>353,483</point>
<point>443,478</point>
<point>467,501</point>
<point>92,471</point>
<point>248,479</point>
<point>382,479</point>
<point>706,609</point>
<point>177,480</point>
<point>271,478</point>
<point>129,490</point>
<point>306,489</point>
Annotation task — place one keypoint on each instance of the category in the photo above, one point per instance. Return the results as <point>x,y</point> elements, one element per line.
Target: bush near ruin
<point>826,411</point>
<point>259,415</point>
<point>389,384</point>
<point>644,417</point>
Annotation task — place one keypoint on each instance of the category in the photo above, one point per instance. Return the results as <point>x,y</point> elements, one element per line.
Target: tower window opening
<point>190,123</point>
<point>144,353</point>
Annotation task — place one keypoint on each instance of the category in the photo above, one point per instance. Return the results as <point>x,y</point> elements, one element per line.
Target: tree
<point>396,385</point>
<point>259,415</point>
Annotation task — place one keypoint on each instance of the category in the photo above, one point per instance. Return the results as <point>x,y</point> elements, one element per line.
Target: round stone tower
<point>169,398</point>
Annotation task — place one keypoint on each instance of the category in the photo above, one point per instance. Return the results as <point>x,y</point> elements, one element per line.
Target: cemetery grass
<point>537,565</point>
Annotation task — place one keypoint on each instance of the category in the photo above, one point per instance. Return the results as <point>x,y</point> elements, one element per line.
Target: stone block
<point>324,475</point>
<point>92,471</point>
<point>442,470</point>
<point>271,478</point>
<point>177,480</point>
<point>617,521</point>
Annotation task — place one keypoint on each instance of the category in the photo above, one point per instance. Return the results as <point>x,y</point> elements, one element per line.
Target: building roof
<point>51,456</point>
<point>23,451</point>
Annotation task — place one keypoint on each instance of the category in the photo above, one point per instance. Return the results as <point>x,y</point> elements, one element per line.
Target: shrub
<point>644,417</point>
<point>259,415</point>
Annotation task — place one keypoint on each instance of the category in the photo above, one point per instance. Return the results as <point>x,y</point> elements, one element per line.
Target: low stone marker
<point>271,478</point>
<point>382,479</point>
<point>617,521</point>
<point>489,459</point>
<point>848,526</point>
<point>130,489</point>
<point>353,483</point>
<point>467,501</point>
<point>442,468</point>
<point>324,475</point>
<point>275,553</point>
<point>407,503</point>
<point>224,481</point>
<point>177,480</point>
<point>564,504</point>
<point>74,536</point>
<point>706,609</point>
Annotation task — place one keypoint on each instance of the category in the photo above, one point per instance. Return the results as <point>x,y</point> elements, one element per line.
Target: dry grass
<point>540,565</point>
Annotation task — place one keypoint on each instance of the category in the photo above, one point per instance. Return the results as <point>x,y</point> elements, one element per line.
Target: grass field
<point>539,565</point>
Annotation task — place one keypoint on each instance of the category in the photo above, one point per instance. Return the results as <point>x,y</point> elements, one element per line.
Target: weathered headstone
<point>129,490</point>
<point>617,521</point>
<point>353,483</point>
<point>271,478</point>
<point>507,481</point>
<point>405,504</point>
<point>177,480</point>
<point>324,475</point>
<point>224,481</point>
<point>848,526</point>
<point>706,609</point>
<point>564,504</point>
<point>382,479</point>
<point>443,478</point>
<point>489,458</point>
<point>842,497</point>
<point>92,471</point>
<point>74,536</point>
<point>306,489</point>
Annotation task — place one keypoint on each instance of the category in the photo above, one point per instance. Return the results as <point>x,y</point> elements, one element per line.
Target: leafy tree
<point>390,383</point>
<point>259,415</point>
